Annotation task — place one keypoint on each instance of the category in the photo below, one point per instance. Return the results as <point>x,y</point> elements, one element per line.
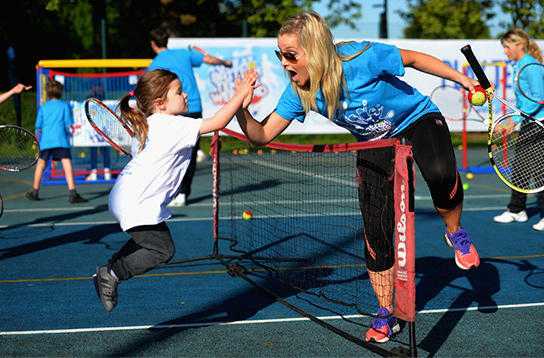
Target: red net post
<point>404,273</point>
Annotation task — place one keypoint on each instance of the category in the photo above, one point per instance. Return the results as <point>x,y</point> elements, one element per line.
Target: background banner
<point>216,83</point>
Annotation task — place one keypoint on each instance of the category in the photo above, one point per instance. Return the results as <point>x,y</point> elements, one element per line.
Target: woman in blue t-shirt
<point>355,85</point>
<point>520,49</point>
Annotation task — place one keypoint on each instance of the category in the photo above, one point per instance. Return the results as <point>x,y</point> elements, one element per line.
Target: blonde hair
<point>516,36</point>
<point>151,86</point>
<point>324,63</point>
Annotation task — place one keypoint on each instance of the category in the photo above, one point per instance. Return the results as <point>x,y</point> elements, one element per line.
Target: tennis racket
<point>116,131</point>
<point>453,106</point>
<point>515,140</point>
<point>530,82</point>
<point>19,148</point>
<point>1,206</point>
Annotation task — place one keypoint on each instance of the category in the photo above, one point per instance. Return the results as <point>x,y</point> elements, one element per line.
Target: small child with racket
<point>53,130</point>
<point>150,180</point>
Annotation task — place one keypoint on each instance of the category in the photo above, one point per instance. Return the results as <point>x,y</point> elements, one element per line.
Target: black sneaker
<point>32,195</point>
<point>76,198</point>
<point>106,287</point>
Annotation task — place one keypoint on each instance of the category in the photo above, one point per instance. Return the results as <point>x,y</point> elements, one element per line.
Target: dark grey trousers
<point>150,246</point>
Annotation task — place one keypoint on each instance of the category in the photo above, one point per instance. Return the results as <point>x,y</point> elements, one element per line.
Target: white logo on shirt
<point>368,122</point>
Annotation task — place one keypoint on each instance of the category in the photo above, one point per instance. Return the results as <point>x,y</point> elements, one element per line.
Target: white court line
<point>248,322</point>
<point>262,202</point>
<point>110,222</point>
<point>37,210</point>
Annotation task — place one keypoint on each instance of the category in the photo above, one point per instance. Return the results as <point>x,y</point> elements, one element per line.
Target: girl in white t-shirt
<point>150,180</point>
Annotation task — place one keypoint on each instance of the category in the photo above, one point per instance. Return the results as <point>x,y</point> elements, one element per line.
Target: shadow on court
<point>90,235</point>
<point>437,274</point>
<point>263,185</point>
<point>235,307</point>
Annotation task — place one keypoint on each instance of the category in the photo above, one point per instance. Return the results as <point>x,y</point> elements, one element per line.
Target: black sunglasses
<point>289,56</point>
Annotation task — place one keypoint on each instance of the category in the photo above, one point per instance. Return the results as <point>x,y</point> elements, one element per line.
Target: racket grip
<point>476,67</point>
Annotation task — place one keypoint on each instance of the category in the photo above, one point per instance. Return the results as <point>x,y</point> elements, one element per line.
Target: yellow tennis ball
<point>470,176</point>
<point>247,215</point>
<point>478,97</point>
<point>466,186</point>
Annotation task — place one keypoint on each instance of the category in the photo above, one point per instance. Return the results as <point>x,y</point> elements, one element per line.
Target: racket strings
<point>109,126</point>
<point>19,148</point>
<point>518,151</point>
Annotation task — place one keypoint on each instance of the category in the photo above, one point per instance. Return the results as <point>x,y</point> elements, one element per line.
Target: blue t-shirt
<point>181,62</point>
<point>532,82</point>
<point>53,120</point>
<point>377,103</point>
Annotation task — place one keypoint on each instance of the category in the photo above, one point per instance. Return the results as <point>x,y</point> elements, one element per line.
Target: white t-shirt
<point>151,179</point>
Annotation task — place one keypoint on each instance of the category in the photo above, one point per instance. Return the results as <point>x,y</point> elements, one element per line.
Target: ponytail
<point>534,50</point>
<point>136,118</point>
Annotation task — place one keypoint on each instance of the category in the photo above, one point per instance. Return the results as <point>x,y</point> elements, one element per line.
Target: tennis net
<point>292,214</point>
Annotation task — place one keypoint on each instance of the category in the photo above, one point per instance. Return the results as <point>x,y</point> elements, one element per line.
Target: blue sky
<point>368,24</point>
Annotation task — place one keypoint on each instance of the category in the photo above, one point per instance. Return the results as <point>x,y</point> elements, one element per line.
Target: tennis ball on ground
<point>247,215</point>
<point>478,97</point>
<point>470,176</point>
<point>466,186</point>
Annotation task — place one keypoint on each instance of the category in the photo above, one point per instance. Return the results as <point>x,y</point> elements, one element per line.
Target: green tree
<point>448,19</point>
<point>525,14</point>
<point>60,29</point>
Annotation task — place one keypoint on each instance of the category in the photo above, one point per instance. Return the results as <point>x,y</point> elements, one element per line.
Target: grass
<point>28,104</point>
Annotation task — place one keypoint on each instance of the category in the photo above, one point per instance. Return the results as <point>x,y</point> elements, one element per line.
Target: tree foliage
<point>525,14</point>
<point>56,29</point>
<point>448,19</point>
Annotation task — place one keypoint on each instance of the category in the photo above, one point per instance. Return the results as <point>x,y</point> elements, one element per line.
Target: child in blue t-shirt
<point>356,85</point>
<point>53,124</point>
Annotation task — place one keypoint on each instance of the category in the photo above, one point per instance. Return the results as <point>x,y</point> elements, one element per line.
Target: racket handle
<point>476,67</point>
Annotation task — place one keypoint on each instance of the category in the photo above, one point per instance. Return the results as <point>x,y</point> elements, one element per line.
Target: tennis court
<point>49,249</point>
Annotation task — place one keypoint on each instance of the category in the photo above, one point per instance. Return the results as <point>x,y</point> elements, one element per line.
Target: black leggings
<point>434,155</point>
<point>150,246</point>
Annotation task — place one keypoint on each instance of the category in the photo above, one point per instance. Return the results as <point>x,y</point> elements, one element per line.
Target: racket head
<point>112,128</point>
<point>453,105</point>
<point>19,148</point>
<point>530,82</point>
<point>450,102</point>
<point>516,151</point>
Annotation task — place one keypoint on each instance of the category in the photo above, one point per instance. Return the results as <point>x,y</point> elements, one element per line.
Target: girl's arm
<point>261,133</point>
<point>434,66</point>
<point>244,89</point>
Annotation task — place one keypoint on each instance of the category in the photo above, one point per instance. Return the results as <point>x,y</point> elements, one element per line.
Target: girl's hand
<point>246,85</point>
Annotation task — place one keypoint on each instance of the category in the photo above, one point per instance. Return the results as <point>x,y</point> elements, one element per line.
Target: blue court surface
<point>49,249</point>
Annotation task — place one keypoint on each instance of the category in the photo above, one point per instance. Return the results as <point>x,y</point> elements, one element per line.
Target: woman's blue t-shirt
<point>533,82</point>
<point>377,104</point>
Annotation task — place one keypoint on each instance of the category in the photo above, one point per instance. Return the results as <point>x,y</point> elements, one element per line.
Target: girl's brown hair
<point>151,86</point>
<point>516,36</point>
